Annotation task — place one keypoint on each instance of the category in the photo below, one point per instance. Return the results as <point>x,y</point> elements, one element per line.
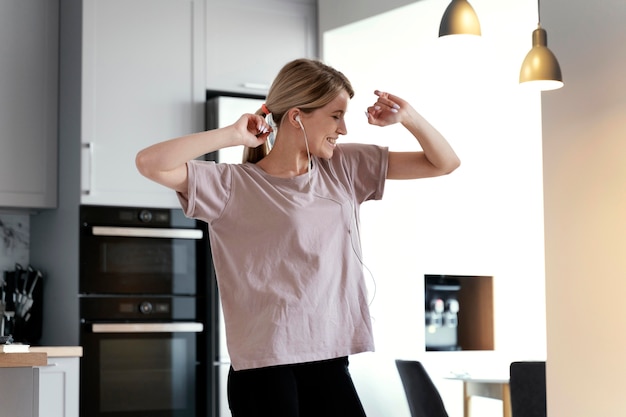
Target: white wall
<point>484,219</point>
<point>336,14</point>
<point>584,127</point>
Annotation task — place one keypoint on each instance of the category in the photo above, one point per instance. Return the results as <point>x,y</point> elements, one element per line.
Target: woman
<point>284,234</point>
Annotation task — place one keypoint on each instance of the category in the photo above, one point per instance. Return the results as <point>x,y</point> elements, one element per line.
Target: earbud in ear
<point>299,121</point>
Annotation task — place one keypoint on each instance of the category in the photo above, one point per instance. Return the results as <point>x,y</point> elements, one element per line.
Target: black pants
<point>320,389</point>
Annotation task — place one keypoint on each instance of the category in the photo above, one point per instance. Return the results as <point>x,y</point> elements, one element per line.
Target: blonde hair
<point>307,84</point>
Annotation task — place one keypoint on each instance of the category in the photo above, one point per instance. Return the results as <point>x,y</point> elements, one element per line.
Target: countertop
<point>38,356</point>
<point>20,360</point>
<point>59,351</point>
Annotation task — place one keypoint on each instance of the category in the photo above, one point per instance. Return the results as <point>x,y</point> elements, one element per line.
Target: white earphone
<point>299,121</point>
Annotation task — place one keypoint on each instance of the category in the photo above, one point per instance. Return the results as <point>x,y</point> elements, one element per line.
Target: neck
<point>283,165</point>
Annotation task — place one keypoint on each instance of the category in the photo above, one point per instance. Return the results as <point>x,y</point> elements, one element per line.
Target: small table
<point>495,388</point>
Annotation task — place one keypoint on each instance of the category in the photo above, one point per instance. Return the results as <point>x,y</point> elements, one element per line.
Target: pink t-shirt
<point>287,254</point>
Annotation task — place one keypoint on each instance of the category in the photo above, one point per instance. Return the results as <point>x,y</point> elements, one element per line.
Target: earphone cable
<point>352,215</point>
<point>308,153</point>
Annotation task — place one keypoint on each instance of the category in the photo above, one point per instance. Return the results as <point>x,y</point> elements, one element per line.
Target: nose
<point>342,129</point>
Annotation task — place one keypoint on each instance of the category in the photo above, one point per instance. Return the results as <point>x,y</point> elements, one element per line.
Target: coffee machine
<point>441,311</point>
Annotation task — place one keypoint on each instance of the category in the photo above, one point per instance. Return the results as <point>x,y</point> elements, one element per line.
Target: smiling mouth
<point>332,141</point>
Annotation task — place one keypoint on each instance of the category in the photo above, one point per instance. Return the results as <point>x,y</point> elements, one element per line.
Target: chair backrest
<point>421,394</point>
<point>528,389</point>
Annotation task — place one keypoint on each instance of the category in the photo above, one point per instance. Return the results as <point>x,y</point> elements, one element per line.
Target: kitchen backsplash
<point>14,241</point>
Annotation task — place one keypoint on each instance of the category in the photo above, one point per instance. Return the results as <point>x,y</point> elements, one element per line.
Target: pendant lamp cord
<point>538,12</point>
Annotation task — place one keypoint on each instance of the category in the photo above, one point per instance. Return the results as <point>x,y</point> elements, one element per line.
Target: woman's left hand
<point>387,110</point>
<point>436,157</point>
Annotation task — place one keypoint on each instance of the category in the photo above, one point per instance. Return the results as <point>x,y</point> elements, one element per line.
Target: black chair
<point>422,395</point>
<point>528,388</point>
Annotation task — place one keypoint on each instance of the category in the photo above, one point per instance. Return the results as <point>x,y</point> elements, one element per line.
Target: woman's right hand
<point>253,130</point>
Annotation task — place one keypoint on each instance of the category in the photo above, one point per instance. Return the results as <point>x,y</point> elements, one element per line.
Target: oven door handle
<point>181,327</point>
<point>151,232</point>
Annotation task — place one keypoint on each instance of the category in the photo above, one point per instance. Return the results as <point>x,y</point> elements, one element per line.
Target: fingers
<point>256,125</point>
<point>388,101</point>
<point>262,128</point>
<point>384,110</point>
<point>252,129</point>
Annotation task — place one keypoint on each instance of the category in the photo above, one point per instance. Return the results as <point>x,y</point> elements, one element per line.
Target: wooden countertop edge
<point>22,360</point>
<point>59,351</point>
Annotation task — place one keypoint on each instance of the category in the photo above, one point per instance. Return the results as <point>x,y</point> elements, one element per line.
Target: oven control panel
<point>96,308</point>
<point>146,307</point>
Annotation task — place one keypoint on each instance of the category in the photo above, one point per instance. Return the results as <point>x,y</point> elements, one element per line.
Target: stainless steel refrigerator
<point>223,110</point>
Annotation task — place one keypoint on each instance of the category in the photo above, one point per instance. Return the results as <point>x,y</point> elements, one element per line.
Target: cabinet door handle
<point>256,86</point>
<point>86,167</point>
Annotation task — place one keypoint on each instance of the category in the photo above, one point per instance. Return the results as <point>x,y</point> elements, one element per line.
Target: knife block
<point>25,329</point>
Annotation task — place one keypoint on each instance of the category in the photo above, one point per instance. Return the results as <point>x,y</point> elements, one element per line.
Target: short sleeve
<point>208,190</point>
<point>365,167</point>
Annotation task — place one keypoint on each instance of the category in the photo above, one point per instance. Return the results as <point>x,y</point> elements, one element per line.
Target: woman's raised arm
<point>437,156</point>
<point>166,162</point>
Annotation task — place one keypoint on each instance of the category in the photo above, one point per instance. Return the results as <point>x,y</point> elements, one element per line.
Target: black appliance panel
<point>138,308</point>
<point>141,357</point>
<point>140,251</point>
<point>145,321</point>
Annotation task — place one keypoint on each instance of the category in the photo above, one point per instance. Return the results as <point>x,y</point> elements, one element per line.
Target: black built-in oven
<point>139,251</point>
<point>140,357</point>
<point>145,320</point>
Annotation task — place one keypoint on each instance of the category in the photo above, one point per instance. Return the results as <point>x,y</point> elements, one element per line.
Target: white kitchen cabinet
<point>59,387</point>
<point>143,82</point>
<point>59,381</point>
<point>28,103</point>
<point>248,41</point>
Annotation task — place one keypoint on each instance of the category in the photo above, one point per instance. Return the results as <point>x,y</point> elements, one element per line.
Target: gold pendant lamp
<point>459,19</point>
<point>540,68</point>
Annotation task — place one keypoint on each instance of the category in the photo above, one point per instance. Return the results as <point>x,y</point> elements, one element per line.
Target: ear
<point>294,118</point>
